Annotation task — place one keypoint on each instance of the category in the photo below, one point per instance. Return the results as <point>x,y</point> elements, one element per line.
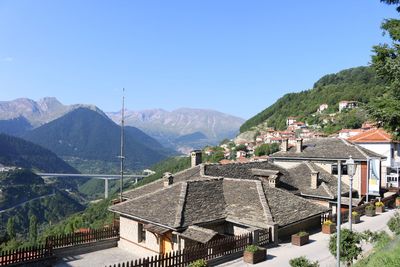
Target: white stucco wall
<point>382,149</point>
<point>129,237</point>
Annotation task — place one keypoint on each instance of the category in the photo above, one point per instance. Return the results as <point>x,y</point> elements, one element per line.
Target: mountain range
<point>185,128</point>
<point>181,129</point>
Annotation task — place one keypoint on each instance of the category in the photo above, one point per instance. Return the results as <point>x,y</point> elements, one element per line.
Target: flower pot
<point>370,213</point>
<point>299,240</point>
<point>380,209</point>
<point>355,218</point>
<point>255,257</point>
<point>329,228</point>
<point>398,203</point>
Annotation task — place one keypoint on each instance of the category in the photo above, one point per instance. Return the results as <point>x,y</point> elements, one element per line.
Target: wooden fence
<point>74,239</point>
<point>209,251</point>
<point>25,255</point>
<point>43,252</point>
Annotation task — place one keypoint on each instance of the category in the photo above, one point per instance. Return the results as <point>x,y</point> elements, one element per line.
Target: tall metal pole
<point>122,157</point>
<point>368,171</point>
<point>338,213</point>
<point>351,203</point>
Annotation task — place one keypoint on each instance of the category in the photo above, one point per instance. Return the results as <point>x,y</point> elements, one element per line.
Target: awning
<point>199,234</point>
<point>156,229</point>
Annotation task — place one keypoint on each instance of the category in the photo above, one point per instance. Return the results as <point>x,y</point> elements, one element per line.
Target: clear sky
<point>234,56</point>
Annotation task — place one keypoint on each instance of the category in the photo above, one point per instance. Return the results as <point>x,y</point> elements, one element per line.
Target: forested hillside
<point>359,84</point>
<point>23,195</point>
<point>15,151</point>
<point>91,142</point>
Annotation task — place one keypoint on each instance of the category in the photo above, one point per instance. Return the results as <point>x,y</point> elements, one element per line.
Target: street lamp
<point>351,171</point>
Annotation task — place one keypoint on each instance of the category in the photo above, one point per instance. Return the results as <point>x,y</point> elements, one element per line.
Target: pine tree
<point>11,228</point>
<point>33,232</point>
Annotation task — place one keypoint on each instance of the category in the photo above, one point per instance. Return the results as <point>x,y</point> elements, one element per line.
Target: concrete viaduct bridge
<point>104,177</point>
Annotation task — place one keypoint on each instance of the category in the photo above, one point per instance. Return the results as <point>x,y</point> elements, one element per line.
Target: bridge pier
<point>105,188</point>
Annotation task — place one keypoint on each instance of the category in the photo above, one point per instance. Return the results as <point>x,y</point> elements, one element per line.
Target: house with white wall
<point>380,142</point>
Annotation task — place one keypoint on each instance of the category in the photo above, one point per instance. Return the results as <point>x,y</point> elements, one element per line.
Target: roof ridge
<point>264,202</point>
<point>345,142</point>
<point>308,164</point>
<point>181,204</point>
<point>160,179</point>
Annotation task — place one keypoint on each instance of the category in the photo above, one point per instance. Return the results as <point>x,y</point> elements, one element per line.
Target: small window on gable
<point>141,233</point>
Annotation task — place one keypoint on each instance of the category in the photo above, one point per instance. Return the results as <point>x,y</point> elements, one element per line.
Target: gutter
<point>315,159</point>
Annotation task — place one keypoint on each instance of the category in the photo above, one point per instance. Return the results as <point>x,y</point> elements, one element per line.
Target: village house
<point>381,142</point>
<point>347,105</point>
<point>325,154</point>
<point>291,120</point>
<point>347,133</point>
<point>210,201</point>
<point>322,107</point>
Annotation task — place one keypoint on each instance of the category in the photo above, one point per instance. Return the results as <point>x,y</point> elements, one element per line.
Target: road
<point>317,249</point>
<point>23,203</point>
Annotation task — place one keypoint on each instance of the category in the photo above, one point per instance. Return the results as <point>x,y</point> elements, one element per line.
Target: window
<point>335,169</point>
<point>174,239</point>
<point>141,233</point>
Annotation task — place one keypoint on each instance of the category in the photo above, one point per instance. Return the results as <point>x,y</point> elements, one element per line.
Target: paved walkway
<point>101,258</point>
<point>317,249</point>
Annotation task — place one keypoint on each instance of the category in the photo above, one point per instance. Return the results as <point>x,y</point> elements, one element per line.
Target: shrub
<point>327,222</point>
<point>369,207</point>
<point>394,224</point>
<point>302,233</point>
<point>379,204</point>
<point>198,263</point>
<point>251,248</point>
<point>303,262</point>
<point>350,247</point>
<point>354,213</point>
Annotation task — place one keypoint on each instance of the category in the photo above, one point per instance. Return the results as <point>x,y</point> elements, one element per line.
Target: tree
<point>386,61</point>
<point>350,247</point>
<point>33,232</point>
<point>11,228</point>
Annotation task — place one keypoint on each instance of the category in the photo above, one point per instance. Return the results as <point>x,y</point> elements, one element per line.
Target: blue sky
<point>237,57</point>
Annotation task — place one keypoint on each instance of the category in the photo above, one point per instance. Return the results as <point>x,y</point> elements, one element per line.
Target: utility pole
<point>122,157</point>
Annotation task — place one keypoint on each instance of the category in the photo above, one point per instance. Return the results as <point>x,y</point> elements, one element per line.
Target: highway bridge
<point>104,177</point>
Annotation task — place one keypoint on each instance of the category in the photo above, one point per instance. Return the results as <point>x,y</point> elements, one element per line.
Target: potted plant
<point>398,202</point>
<point>254,254</point>
<point>301,238</point>
<point>370,210</point>
<point>198,263</point>
<point>355,216</point>
<point>328,227</point>
<point>380,207</point>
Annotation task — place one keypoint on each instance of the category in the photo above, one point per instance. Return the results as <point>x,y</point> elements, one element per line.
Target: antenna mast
<point>122,156</point>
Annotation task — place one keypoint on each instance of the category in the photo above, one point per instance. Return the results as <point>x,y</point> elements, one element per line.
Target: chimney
<point>299,145</point>
<point>196,157</point>
<point>284,145</point>
<point>314,179</point>
<point>168,179</point>
<point>273,181</point>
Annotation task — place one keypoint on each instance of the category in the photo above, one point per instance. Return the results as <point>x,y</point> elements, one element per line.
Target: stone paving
<point>102,258</point>
<point>317,249</point>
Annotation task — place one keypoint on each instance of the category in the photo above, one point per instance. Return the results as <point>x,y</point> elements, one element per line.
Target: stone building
<point>209,201</point>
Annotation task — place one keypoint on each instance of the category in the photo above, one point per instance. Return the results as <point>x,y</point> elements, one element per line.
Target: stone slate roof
<point>287,208</point>
<point>199,234</point>
<point>247,202</point>
<point>188,174</point>
<point>327,149</point>
<point>297,180</point>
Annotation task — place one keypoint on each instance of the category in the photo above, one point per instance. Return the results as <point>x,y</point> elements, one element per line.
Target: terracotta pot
<point>255,257</point>
<point>329,228</point>
<point>300,240</point>
<point>398,203</point>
